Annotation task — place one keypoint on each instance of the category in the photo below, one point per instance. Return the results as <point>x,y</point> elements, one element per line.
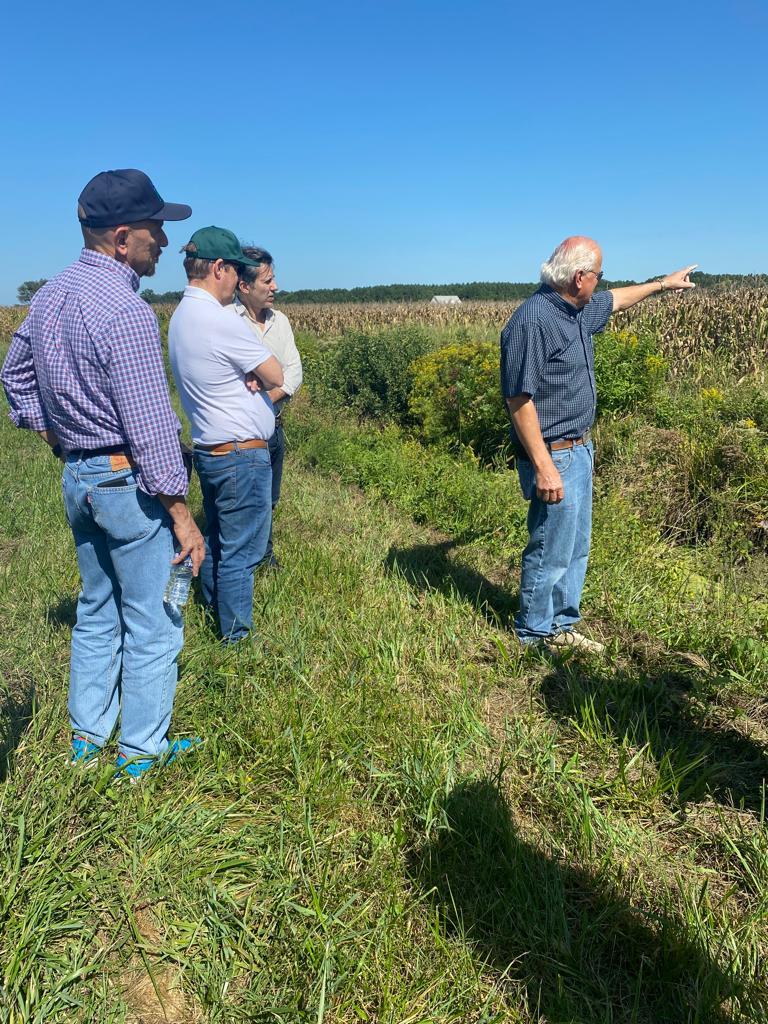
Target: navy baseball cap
<point>125,197</point>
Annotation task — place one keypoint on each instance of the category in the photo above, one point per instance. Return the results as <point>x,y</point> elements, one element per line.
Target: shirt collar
<point>190,292</point>
<point>270,313</point>
<point>558,301</point>
<point>100,259</point>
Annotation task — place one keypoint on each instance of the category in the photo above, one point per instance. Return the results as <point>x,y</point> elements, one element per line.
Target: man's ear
<point>121,236</point>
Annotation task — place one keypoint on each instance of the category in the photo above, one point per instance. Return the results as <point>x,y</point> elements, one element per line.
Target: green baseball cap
<point>217,244</point>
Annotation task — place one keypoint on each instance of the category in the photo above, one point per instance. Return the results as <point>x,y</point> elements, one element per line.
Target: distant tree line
<point>479,290</point>
<point>150,296</point>
<point>482,291</point>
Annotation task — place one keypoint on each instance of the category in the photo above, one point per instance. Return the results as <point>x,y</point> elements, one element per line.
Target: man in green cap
<point>213,357</point>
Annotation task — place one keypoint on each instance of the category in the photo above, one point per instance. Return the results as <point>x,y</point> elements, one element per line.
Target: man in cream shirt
<point>213,356</point>
<point>254,299</point>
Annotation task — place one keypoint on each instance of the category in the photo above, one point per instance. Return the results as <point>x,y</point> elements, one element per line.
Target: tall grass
<point>395,816</point>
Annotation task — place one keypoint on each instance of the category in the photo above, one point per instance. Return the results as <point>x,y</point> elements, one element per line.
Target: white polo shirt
<point>211,352</point>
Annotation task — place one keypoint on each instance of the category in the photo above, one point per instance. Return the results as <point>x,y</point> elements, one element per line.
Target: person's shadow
<point>63,614</point>
<point>560,939</point>
<point>15,715</point>
<point>660,709</point>
<point>428,567</point>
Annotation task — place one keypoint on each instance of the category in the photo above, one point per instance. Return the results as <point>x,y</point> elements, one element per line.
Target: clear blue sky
<point>396,142</point>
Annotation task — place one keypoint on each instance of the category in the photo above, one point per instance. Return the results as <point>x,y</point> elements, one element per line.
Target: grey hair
<point>568,257</point>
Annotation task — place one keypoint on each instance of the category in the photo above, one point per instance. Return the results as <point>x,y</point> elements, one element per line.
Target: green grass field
<point>395,817</point>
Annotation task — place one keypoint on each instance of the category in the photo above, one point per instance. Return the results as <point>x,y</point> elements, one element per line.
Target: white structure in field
<point>445,300</point>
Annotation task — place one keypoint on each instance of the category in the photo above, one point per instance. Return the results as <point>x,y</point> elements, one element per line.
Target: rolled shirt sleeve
<point>140,395</point>
<point>524,354</point>
<point>21,385</point>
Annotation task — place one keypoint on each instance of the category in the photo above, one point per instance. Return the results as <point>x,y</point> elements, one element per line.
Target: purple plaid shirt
<point>87,363</point>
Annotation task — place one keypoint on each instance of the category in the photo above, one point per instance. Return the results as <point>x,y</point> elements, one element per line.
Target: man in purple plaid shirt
<point>85,370</point>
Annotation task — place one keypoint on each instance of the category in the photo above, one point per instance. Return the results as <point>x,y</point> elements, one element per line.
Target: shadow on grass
<point>695,758</point>
<point>428,567</point>
<point>16,706</point>
<point>63,614</point>
<point>568,946</point>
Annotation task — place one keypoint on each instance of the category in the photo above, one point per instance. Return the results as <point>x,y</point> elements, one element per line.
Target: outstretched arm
<point>679,281</point>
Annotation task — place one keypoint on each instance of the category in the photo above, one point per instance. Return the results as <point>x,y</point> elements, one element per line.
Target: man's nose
<point>163,240</point>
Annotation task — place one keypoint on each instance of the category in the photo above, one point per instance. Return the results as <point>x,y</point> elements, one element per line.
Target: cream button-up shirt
<point>277,335</point>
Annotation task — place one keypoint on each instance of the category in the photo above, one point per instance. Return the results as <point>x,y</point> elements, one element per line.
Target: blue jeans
<point>276,455</point>
<point>125,643</point>
<point>237,493</point>
<point>554,562</point>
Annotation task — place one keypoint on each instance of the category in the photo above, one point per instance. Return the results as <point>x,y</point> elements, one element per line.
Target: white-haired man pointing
<point>548,382</point>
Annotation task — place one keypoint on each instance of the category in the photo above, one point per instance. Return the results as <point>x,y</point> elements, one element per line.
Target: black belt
<point>92,453</point>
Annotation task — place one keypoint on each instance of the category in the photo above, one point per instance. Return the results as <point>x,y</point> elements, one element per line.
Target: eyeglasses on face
<point>599,275</point>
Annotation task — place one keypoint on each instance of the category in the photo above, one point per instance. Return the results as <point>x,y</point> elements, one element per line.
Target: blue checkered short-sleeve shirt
<point>547,353</point>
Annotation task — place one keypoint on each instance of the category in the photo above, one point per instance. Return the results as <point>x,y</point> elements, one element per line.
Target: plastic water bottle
<point>178,586</point>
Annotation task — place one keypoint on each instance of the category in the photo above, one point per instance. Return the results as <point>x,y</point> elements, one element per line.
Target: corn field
<point>731,324</point>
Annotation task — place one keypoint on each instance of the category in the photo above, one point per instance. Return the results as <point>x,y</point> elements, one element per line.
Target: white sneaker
<point>571,640</point>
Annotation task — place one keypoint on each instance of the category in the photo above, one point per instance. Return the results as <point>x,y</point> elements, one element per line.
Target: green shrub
<point>456,398</point>
<point>628,371</point>
<point>746,404</point>
<point>703,483</point>
<point>368,373</point>
<point>310,348</point>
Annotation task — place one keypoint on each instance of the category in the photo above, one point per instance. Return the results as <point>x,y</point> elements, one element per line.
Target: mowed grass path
<point>387,822</point>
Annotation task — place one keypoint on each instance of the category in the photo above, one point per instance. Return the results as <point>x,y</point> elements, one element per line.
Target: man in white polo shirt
<point>212,356</point>
<point>254,299</point>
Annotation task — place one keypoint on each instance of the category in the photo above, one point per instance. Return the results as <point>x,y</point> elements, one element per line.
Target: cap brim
<point>247,262</point>
<point>172,211</point>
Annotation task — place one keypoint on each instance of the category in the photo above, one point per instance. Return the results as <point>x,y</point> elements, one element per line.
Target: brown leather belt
<point>232,446</point>
<point>568,442</point>
<point>553,446</point>
<point>118,459</point>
